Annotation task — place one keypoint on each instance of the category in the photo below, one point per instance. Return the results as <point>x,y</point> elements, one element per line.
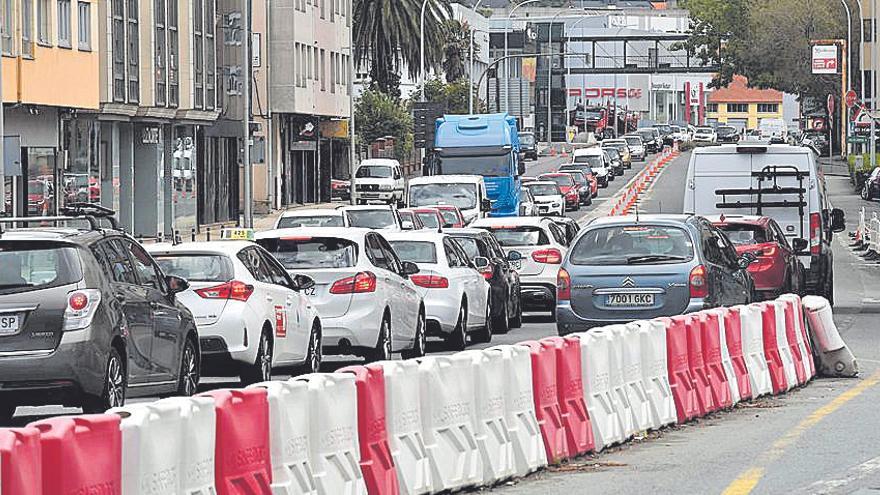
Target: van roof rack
<point>769,173</point>
<point>90,212</point>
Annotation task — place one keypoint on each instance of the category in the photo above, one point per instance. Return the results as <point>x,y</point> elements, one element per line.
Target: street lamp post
<point>848,56</point>
<point>246,117</point>
<point>861,49</point>
<point>471,71</point>
<point>422,47</point>
<point>506,60</point>
<point>568,66</point>
<point>550,78</point>
<point>352,152</point>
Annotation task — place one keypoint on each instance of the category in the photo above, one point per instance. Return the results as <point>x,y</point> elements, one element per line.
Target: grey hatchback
<point>621,269</point>
<point>86,318</point>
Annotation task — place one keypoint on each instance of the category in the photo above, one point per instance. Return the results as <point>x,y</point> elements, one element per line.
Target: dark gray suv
<point>87,318</point>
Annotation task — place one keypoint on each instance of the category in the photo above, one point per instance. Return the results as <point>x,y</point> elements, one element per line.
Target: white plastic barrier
<point>726,362</point>
<point>519,407</point>
<point>809,365</point>
<point>447,396</point>
<point>632,376</point>
<point>492,431</point>
<point>403,413</point>
<point>289,430</point>
<point>603,403</point>
<point>788,364</point>
<point>655,372</point>
<point>618,380</point>
<point>168,446</point>
<point>333,430</point>
<point>752,325</point>
<point>834,357</point>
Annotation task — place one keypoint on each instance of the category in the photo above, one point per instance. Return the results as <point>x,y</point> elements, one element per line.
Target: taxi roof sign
<point>237,234</point>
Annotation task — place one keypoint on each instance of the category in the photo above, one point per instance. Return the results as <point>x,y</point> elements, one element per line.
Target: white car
<point>456,295</point>
<point>312,217</point>
<point>251,315</point>
<point>598,160</point>
<point>549,200</point>
<point>637,148</point>
<point>368,304</point>
<point>705,135</point>
<point>376,217</point>
<point>467,192</point>
<point>379,179</point>
<point>527,206</point>
<point>542,244</point>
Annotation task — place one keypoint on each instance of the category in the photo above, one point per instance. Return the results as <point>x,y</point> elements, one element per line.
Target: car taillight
<point>430,281</point>
<point>81,308</point>
<point>358,284</point>
<point>572,193</point>
<point>550,256</point>
<point>487,271</point>
<point>698,283</point>
<point>563,285</point>
<point>815,234</point>
<point>768,250</point>
<point>234,290</point>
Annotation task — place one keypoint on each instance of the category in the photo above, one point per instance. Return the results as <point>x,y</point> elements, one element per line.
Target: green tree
<point>454,95</point>
<point>456,49</point>
<point>387,37</point>
<point>379,115</point>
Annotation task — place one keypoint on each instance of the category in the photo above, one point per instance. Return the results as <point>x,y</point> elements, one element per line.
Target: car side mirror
<point>176,284</point>
<point>481,263</point>
<point>799,244</point>
<point>485,205</point>
<point>302,282</point>
<point>410,268</point>
<point>514,256</point>
<point>838,220</point>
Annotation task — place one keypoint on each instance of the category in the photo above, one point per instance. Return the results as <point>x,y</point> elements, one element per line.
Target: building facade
<point>743,107</point>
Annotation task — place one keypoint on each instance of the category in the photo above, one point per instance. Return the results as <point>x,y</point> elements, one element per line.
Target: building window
<point>323,9</point>
<point>117,36</point>
<point>134,86</point>
<point>332,72</point>
<point>768,107</point>
<point>737,108</point>
<point>198,54</point>
<point>44,22</point>
<point>210,58</point>
<point>869,32</point>
<point>161,53</point>
<point>711,107</point>
<point>84,23</point>
<point>323,71</point>
<point>64,23</point>
<point>27,28</point>
<point>6,26</point>
<point>173,55</point>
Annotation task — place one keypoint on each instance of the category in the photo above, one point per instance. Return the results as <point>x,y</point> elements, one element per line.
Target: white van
<point>773,130</point>
<point>778,181</point>
<point>467,192</point>
<point>378,179</point>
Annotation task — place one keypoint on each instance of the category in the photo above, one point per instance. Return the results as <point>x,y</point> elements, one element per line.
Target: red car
<point>568,186</point>
<point>776,269</point>
<point>452,217</point>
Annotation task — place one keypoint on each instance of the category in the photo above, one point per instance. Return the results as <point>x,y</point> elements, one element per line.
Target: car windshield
<point>560,180</point>
<point>486,165</point>
<point>34,265</point>
<point>372,219</point>
<point>415,251</point>
<point>197,267</point>
<point>727,130</point>
<point>429,219</point>
<point>462,195</point>
<point>634,141</point>
<point>619,147</point>
<point>744,234</point>
<point>579,178</point>
<point>585,169</point>
<point>594,161</point>
<point>543,189</point>
<point>450,218</point>
<point>520,236</point>
<point>633,245</point>
<point>312,252</point>
<point>704,130</point>
<point>612,153</point>
<point>527,139</point>
<point>311,221</point>
<point>373,172</point>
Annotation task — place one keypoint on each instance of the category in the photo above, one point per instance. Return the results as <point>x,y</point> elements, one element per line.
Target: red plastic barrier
<point>702,385</point>
<point>377,465</point>
<point>680,378</point>
<point>547,400</point>
<point>711,335</point>
<point>733,335</point>
<point>799,314</point>
<point>242,463</point>
<point>771,350</point>
<point>570,392</point>
<point>81,454</point>
<point>20,468</point>
<point>800,368</point>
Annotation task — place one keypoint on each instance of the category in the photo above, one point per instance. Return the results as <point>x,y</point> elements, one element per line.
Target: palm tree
<point>456,43</point>
<point>387,37</point>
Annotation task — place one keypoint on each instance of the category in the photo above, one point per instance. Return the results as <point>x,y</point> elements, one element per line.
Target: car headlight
<point>554,205</point>
<point>385,187</point>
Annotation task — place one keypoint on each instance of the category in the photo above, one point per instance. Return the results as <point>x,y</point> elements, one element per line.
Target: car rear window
<point>415,251</point>
<point>449,217</point>
<point>561,180</point>
<point>312,252</point>
<point>371,219</point>
<point>743,234</point>
<point>594,161</point>
<point>633,245</point>
<point>34,265</point>
<point>197,267</point>
<point>429,219</point>
<point>311,221</point>
<point>471,247</point>
<point>543,189</point>
<point>520,236</point>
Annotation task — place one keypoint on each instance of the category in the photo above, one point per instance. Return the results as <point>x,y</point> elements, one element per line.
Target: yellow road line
<point>747,481</point>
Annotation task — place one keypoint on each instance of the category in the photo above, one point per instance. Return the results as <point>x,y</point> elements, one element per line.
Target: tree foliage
<point>379,115</point>
<point>453,95</point>
<point>456,49</point>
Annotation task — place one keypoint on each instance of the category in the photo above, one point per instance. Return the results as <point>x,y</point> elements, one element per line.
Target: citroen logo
<point>628,282</point>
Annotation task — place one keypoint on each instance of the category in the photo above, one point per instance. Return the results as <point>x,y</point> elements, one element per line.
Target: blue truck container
<point>486,145</point>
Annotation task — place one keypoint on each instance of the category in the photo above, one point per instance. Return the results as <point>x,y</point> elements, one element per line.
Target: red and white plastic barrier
<point>434,424</point>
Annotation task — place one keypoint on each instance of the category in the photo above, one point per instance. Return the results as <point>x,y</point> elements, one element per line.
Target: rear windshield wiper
<point>653,258</point>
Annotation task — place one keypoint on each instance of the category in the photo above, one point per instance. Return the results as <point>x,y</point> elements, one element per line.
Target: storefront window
<point>183,179</point>
<point>82,179</point>
<point>41,185</point>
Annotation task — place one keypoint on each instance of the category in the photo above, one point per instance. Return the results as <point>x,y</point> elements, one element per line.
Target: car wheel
<point>484,334</point>
<point>115,384</point>
<point>382,351</point>
<point>188,381</point>
<point>517,320</point>
<point>828,291</point>
<point>261,369</point>
<point>457,340</point>
<point>500,324</point>
<point>7,411</point>
<point>315,355</point>
<point>421,341</point>
<point>577,206</point>
<point>865,194</point>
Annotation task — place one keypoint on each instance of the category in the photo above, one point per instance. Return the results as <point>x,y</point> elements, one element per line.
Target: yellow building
<point>741,106</point>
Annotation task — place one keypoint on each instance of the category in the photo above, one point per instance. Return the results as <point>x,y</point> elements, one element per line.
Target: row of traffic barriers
<point>630,196</point>
<point>867,236</point>
<point>419,426</point>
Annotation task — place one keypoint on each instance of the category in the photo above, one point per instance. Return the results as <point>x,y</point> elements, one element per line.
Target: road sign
<point>829,105</point>
<point>824,59</point>
<point>857,140</point>
<point>851,98</point>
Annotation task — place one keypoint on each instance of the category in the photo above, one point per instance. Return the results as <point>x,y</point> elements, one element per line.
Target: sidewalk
<point>834,166</point>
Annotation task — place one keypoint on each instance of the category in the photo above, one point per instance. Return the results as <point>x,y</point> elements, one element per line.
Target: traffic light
<point>425,115</point>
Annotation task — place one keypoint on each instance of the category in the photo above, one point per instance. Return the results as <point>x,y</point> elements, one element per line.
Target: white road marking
<point>852,475</point>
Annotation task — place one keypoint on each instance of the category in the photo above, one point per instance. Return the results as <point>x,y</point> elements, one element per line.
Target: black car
<point>652,144</point>
<point>584,189</point>
<point>587,170</point>
<point>666,132</point>
<point>727,134</point>
<point>528,145</point>
<point>617,167</point>
<point>504,289</point>
<point>87,317</point>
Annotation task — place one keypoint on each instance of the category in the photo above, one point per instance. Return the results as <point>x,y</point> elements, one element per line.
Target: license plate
<point>517,265</point>
<point>9,324</point>
<point>630,300</point>
<point>311,291</point>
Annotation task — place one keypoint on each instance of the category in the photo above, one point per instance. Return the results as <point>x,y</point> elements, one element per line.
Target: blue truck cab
<point>486,145</point>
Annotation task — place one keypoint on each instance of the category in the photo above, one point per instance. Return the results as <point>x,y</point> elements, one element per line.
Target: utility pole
<point>246,114</point>
<point>2,152</point>
<point>352,155</point>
